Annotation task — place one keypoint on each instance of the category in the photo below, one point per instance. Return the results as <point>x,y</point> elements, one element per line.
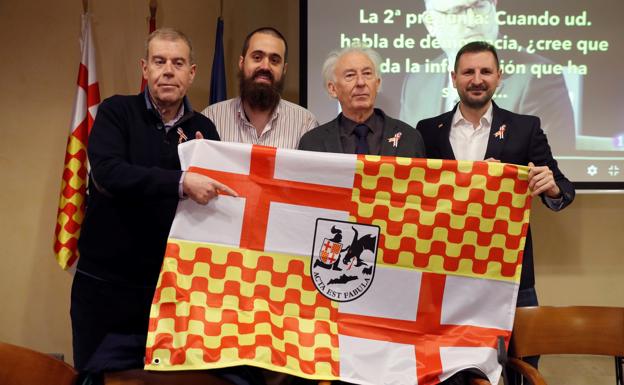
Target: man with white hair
<point>352,76</point>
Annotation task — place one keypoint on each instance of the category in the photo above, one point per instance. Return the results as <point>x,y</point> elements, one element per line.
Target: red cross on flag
<point>423,275</point>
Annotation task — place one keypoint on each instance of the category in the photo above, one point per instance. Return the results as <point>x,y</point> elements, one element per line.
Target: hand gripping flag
<point>74,184</point>
<point>368,269</point>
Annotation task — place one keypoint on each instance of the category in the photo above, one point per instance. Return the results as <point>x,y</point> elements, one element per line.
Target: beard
<point>260,96</point>
<point>479,102</point>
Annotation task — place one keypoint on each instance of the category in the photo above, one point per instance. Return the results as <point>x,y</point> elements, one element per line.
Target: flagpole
<point>153,7</point>
<point>218,87</point>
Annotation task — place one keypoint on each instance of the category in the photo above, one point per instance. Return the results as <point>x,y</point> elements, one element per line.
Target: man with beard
<point>259,115</point>
<point>477,129</point>
<point>454,23</point>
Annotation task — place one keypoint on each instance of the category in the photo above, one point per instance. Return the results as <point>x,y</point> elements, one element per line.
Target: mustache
<point>263,72</point>
<point>482,87</point>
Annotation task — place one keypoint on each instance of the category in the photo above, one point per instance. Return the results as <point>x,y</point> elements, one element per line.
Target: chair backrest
<point>22,366</point>
<point>568,330</point>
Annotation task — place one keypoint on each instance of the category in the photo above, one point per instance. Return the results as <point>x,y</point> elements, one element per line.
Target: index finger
<point>225,189</point>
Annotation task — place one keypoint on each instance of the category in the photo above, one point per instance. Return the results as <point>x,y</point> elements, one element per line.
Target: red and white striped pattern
<point>287,125</point>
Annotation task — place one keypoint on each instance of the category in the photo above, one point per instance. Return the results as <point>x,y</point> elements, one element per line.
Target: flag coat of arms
<point>367,269</point>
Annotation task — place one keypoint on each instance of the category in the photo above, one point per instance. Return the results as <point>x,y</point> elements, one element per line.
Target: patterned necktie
<point>361,146</point>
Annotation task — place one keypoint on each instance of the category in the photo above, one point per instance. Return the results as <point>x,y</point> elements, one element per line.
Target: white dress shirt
<point>469,142</point>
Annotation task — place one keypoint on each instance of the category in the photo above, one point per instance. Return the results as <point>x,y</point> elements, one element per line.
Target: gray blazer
<point>326,138</point>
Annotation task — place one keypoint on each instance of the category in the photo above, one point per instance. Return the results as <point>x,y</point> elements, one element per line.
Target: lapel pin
<point>181,135</point>
<point>440,125</point>
<point>500,134</point>
<point>395,139</point>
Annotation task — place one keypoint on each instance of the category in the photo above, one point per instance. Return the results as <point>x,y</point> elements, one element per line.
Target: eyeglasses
<point>481,7</point>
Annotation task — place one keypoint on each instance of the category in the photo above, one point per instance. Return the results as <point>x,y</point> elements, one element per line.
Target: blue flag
<point>217,78</point>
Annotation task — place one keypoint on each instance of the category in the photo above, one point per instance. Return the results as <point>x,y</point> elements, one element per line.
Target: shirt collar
<point>348,125</point>
<point>241,111</point>
<point>486,119</point>
<point>184,107</point>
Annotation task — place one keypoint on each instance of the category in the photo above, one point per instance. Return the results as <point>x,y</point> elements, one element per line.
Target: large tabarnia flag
<point>75,173</point>
<point>371,270</point>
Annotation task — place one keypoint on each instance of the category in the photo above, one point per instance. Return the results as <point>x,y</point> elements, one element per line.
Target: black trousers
<point>109,330</point>
<point>109,324</point>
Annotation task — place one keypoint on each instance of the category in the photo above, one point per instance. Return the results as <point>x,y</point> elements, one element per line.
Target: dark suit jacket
<point>326,138</point>
<point>546,97</point>
<point>523,142</point>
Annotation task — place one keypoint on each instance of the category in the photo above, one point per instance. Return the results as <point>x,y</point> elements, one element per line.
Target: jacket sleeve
<point>419,145</point>
<point>306,142</point>
<point>111,154</point>
<point>541,155</point>
<point>428,142</point>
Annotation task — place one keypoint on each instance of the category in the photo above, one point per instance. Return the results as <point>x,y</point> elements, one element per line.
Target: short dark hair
<point>476,47</point>
<point>268,31</point>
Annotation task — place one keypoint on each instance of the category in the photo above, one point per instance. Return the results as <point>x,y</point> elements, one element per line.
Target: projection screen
<point>561,61</point>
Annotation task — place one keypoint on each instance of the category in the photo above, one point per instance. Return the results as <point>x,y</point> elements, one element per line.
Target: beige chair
<point>22,366</point>
<point>543,330</point>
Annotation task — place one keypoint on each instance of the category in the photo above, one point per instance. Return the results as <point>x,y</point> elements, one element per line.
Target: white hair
<point>330,63</point>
